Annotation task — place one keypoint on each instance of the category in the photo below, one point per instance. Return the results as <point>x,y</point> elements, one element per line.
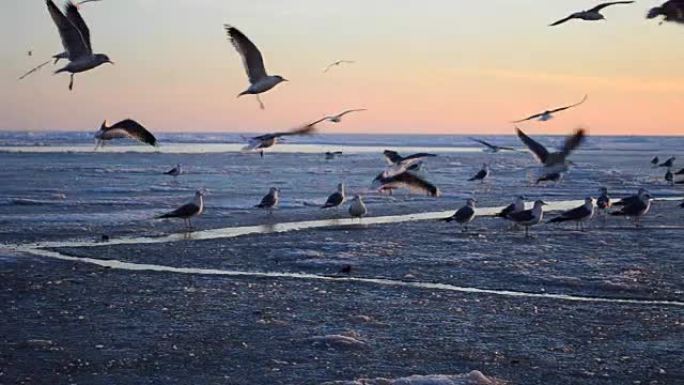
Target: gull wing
<point>72,39</point>
<point>486,144</point>
<point>251,57</point>
<point>561,21</point>
<point>392,157</point>
<point>584,99</point>
<point>75,18</point>
<point>303,130</point>
<point>409,180</point>
<point>604,5</point>
<point>335,199</point>
<point>135,130</point>
<point>341,114</point>
<point>185,211</point>
<point>535,116</point>
<point>573,141</point>
<point>539,151</point>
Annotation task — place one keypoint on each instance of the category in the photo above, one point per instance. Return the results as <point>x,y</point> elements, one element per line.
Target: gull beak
<point>285,80</point>
<point>110,62</point>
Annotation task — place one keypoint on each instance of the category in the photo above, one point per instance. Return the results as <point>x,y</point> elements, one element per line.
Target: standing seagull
<point>337,63</point>
<point>482,174</point>
<point>548,114</point>
<point>188,210</point>
<point>357,208</point>
<point>335,199</point>
<point>603,201</point>
<point>128,128</point>
<point>579,214</point>
<point>590,14</point>
<point>464,215</point>
<point>76,41</point>
<point>672,10</point>
<point>636,208</point>
<point>668,163</point>
<point>270,200</point>
<point>338,118</point>
<point>669,177</point>
<point>174,172</point>
<point>492,147</point>
<point>530,217</point>
<point>553,161</point>
<point>517,206</point>
<point>259,80</point>
<point>262,142</point>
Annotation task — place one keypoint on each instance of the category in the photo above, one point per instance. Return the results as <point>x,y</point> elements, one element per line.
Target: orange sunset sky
<point>430,66</point>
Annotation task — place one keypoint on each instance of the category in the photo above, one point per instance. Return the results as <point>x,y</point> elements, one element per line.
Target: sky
<point>422,66</point>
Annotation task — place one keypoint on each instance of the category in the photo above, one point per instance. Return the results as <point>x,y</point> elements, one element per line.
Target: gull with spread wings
<point>592,14</point>
<point>262,142</point>
<point>337,63</point>
<point>127,128</point>
<point>553,162</point>
<point>253,62</point>
<point>492,147</point>
<point>338,118</point>
<point>548,114</point>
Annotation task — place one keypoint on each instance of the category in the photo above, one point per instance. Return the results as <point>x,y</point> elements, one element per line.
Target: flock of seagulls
<point>401,171</point>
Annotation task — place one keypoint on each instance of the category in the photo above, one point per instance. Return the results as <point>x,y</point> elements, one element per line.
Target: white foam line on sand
<point>128,266</point>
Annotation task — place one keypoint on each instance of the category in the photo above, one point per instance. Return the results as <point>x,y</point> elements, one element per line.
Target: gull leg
<point>190,223</point>
<point>261,104</point>
<point>71,82</point>
<point>527,231</point>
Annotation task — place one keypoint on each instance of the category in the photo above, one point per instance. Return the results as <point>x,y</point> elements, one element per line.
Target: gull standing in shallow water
<point>188,210</point>
<point>357,209</point>
<point>635,208</point>
<point>592,14</point>
<point>579,214</point>
<point>127,128</point>
<point>335,199</point>
<point>253,62</point>
<point>528,218</point>
<point>76,41</point>
<point>548,114</point>
<point>270,200</point>
<point>464,215</point>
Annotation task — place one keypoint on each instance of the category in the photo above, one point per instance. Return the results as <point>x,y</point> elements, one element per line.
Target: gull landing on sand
<point>253,62</point>
<point>76,41</point>
<point>188,210</point>
<point>548,114</point>
<point>336,64</point>
<point>262,142</point>
<point>128,128</point>
<point>579,214</point>
<point>464,215</point>
<point>357,209</point>
<point>592,14</point>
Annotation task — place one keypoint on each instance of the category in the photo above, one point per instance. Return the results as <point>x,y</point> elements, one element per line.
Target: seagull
<point>335,199</point>
<point>270,200</point>
<point>393,158</point>
<point>330,155</point>
<point>338,118</point>
<point>517,206</point>
<point>262,142</point>
<point>603,201</point>
<point>188,210</point>
<point>631,199</point>
<point>127,128</point>
<point>672,10</point>
<point>357,208</point>
<point>590,14</point>
<point>482,174</point>
<point>669,177</point>
<point>655,161</point>
<point>530,217</point>
<point>636,208</point>
<point>337,63</point>
<point>389,181</point>
<point>668,163</point>
<point>174,172</point>
<point>464,215</point>
<point>259,80</point>
<point>30,53</point>
<point>548,114</point>
<point>553,161</point>
<point>578,214</point>
<point>492,147</point>
<point>76,41</point>
<point>680,172</point>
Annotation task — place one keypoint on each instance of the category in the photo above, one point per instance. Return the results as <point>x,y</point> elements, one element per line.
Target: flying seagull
<point>518,205</point>
<point>482,174</point>
<point>464,215</point>
<point>338,118</point>
<point>590,14</point>
<point>579,214</point>
<point>636,208</point>
<point>357,208</point>
<point>394,159</point>
<point>337,63</point>
<point>553,161</point>
<point>492,147</point>
<point>552,177</point>
<point>174,172</point>
<point>262,142</point>
<point>253,62</point>
<point>127,128</point>
<point>76,41</point>
<point>528,218</point>
<point>270,200</point>
<point>672,10</point>
<point>188,210</point>
<point>335,199</point>
<point>668,163</point>
<point>407,179</point>
<point>548,114</point>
